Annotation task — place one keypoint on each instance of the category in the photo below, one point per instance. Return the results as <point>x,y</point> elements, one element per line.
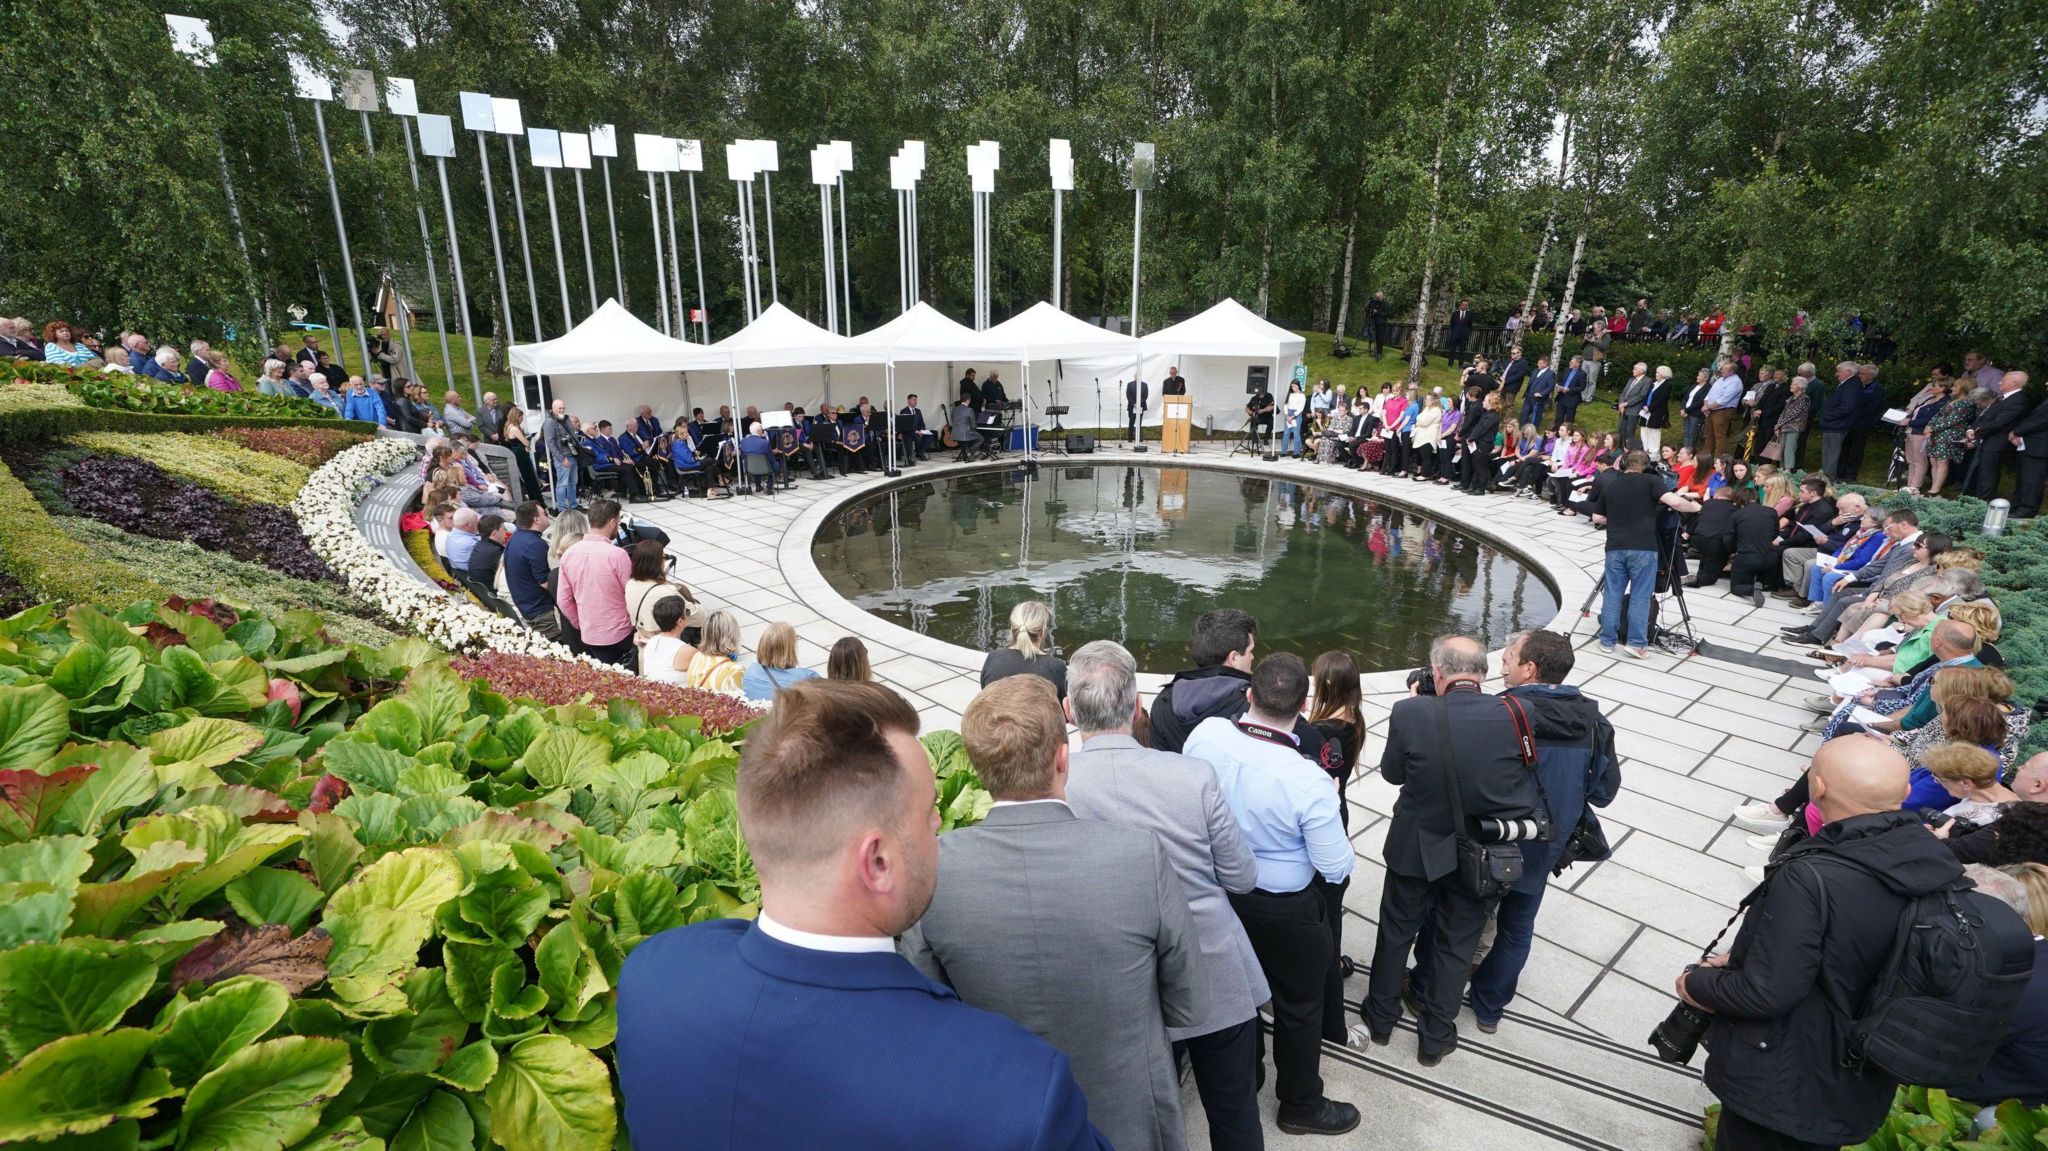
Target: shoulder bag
<point>1485,871</point>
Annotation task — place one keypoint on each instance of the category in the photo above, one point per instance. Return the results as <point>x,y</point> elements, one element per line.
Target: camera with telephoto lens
<point>1678,1036</point>
<point>1493,830</point>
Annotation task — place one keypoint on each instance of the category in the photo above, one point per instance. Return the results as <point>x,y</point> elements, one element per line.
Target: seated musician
<point>1260,409</point>
<point>755,443</point>
<point>791,452</point>
<point>647,458</point>
<point>916,440</point>
<point>645,427</point>
<point>609,453</point>
<point>809,455</point>
<point>825,437</point>
<point>869,421</point>
<point>961,427</point>
<point>702,429</point>
<point>992,394</point>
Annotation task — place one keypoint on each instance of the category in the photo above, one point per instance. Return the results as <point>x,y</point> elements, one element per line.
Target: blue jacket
<point>526,573</point>
<point>147,366</point>
<point>1575,765</point>
<point>1871,405</point>
<point>681,454</point>
<point>368,406</point>
<point>730,1040</point>
<point>1842,410</point>
<point>1542,384</point>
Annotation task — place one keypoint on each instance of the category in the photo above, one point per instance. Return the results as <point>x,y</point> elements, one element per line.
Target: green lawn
<point>426,354</point>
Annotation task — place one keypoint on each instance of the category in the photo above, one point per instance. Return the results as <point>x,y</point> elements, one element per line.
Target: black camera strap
<point>1443,736</point>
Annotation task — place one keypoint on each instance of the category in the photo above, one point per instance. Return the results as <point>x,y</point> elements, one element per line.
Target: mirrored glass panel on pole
<point>403,102</point>
<point>319,89</point>
<point>437,139</point>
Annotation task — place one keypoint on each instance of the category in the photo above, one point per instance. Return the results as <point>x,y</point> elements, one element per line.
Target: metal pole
<point>589,261</point>
<point>675,262</point>
<point>1138,353</point>
<point>1057,211</point>
<point>660,271</point>
<point>348,266</point>
<point>752,249</point>
<point>902,263</point>
<point>476,379</point>
<point>525,246</point>
<point>412,164</point>
<point>845,263</point>
<point>483,159</point>
<point>398,309</point>
<point>612,214</point>
<point>291,124</point>
<point>975,223</point>
<point>547,177</point>
<point>227,183</point>
<point>831,280</point>
<point>889,385</point>
<point>697,249</point>
<point>739,188</point>
<point>768,190</point>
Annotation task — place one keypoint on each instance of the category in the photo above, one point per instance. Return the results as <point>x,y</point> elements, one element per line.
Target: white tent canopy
<point>1228,329</point>
<point>779,338</point>
<point>926,335</point>
<point>1043,333</point>
<point>1213,351</point>
<point>608,365</point>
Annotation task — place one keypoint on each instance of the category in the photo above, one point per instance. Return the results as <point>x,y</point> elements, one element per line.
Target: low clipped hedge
<point>54,423</point>
<point>209,461</point>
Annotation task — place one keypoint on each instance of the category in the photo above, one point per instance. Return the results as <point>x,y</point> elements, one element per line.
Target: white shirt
<point>811,941</point>
<point>1022,802</point>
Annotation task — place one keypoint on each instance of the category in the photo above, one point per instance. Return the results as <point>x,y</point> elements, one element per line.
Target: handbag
<point>1773,451</point>
<point>1485,871</point>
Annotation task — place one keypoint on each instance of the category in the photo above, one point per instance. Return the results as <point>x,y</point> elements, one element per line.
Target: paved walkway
<point>1569,1067</point>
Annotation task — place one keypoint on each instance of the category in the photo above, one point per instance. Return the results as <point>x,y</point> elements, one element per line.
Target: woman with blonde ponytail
<point>1030,649</point>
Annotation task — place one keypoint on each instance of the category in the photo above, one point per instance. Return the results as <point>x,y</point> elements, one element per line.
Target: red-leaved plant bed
<point>308,446</point>
<point>553,682</point>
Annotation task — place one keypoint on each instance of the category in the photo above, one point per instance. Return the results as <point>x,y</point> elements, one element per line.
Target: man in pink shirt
<point>591,590</point>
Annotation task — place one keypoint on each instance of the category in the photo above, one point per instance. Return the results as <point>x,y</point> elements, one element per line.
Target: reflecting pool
<point>1135,553</point>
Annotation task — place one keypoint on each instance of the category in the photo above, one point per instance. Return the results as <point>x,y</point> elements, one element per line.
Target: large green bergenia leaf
<point>367,766</point>
<point>394,724</point>
<point>439,1123</point>
<point>48,991</point>
<point>39,885</point>
<point>232,847</point>
<point>503,902</point>
<point>568,972</point>
<point>376,819</point>
<point>88,670</point>
<point>644,904</point>
<point>331,847</point>
<point>103,909</point>
<point>274,895</point>
<point>348,1135</point>
<point>124,780</point>
<point>424,1038</point>
<point>565,757</point>
<point>30,798</point>
<point>79,1084</point>
<point>551,1095</point>
<point>442,699</point>
<point>711,829</point>
<point>185,755</point>
<point>380,918</point>
<point>91,626</point>
<point>34,722</point>
<point>206,1031</point>
<point>265,1097</point>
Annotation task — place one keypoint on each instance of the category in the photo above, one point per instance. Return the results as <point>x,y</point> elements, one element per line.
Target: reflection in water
<point>1136,553</point>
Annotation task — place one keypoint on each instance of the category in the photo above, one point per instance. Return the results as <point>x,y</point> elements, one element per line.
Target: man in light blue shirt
<point>1722,400</point>
<point>1287,809</point>
<point>462,539</point>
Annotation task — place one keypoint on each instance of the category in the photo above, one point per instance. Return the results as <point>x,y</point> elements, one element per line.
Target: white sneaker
<point>1764,842</point>
<point>1755,874</point>
<point>1761,817</point>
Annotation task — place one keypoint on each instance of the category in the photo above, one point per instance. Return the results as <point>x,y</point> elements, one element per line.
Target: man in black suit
<point>1174,384</point>
<point>1991,435</point>
<point>1376,312</point>
<point>1458,333</point>
<point>970,391</point>
<point>1512,375</point>
<point>1137,398</point>
<point>2029,439</point>
<point>1480,735</point>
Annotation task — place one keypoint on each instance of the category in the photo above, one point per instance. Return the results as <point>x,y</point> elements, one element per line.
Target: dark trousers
<point>1425,460</point>
<point>1714,552</point>
<point>1405,901</point>
<point>1262,428</point>
<point>1990,470</point>
<point>1379,338</point>
<point>1454,347</point>
<point>1333,983</point>
<point>2026,494</point>
<point>1448,458</point>
<point>1739,1134</point>
<point>1226,1065</point>
<point>1568,402</point>
<point>1747,570</point>
<point>1477,468</point>
<point>1532,410</point>
<point>1495,980</point>
<point>1291,937</point>
<point>620,654</point>
<point>1852,453</point>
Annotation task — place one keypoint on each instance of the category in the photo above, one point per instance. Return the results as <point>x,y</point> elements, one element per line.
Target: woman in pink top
<point>217,375</point>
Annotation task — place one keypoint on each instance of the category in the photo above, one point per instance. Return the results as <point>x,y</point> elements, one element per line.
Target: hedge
<point>55,423</point>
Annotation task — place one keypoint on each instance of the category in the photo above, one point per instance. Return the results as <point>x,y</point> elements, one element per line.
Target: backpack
<point>1947,993</point>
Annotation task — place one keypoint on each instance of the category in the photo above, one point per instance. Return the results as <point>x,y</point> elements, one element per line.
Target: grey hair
<point>721,634</point>
<point>316,378</point>
<point>1962,583</point>
<point>167,355</point>
<point>1848,366</point>
<point>1998,885</point>
<point>1102,686</point>
<point>1449,657</point>
<point>1807,369</point>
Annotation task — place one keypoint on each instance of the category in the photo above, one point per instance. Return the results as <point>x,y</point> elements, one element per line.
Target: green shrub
<point>50,564</point>
<point>56,423</point>
<point>23,395</point>
<point>231,470</point>
<point>308,446</point>
<point>139,393</point>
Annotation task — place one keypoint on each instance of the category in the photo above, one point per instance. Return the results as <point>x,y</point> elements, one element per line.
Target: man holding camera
<point>1774,1007</point>
<point>1462,760</point>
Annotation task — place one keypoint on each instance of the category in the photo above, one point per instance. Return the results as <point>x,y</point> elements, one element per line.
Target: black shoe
<point>1803,639</point>
<point>1795,629</point>
<point>1486,1028</point>
<point>1325,1117</point>
<point>1431,1059</point>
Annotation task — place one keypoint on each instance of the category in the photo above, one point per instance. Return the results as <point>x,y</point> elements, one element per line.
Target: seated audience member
<point>462,539</point>
<point>119,363</point>
<point>2019,1065</point>
<point>488,554</point>
<point>754,445</point>
<point>848,660</point>
<point>664,655</point>
<point>528,576</point>
<point>774,665</point>
<point>714,665</point>
<point>1135,937</point>
<point>650,584</point>
<point>167,367</point>
<point>1969,776</point>
<point>1753,569</point>
<point>1029,651</point>
<point>836,804</point>
<point>1973,705</point>
<point>62,347</point>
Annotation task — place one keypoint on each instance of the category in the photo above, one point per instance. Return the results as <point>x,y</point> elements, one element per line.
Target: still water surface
<point>1135,553</point>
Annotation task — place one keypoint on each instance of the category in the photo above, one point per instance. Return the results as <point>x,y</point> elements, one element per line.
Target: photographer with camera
<point>1794,1070</point>
<point>1464,763</point>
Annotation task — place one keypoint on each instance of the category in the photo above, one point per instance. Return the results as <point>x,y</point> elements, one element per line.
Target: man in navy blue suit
<point>805,1029</point>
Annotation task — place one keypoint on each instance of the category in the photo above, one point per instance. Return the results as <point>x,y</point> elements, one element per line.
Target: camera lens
<point>1678,1036</point>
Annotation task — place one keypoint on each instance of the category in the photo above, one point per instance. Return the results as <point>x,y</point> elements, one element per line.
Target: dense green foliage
<point>1926,1119</point>
<point>1758,155</point>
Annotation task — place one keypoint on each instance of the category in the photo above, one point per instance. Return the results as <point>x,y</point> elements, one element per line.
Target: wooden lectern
<point>1173,428</point>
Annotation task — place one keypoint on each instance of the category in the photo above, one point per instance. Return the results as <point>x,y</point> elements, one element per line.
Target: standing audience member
<point>1722,401</point>
<point>1794,418</point>
<point>1287,812</point>
<point>1457,758</point>
<point>1840,410</point>
<point>1948,434</point>
<point>1103,898</point>
<point>1116,780</point>
<point>591,591</point>
<point>1870,409</point>
<point>837,805</point>
<point>1029,651</point>
<point>559,437</point>
<point>1630,504</point>
<point>2029,440</point>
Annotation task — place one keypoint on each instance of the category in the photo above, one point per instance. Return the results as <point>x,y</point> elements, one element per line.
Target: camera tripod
<point>1247,442</point>
<point>1682,640</point>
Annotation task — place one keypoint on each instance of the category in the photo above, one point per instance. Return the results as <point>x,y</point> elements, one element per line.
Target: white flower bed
<point>325,509</point>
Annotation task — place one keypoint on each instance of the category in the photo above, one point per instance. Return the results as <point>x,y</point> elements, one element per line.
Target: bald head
<point>2030,782</point>
<point>1857,775</point>
<point>1953,639</point>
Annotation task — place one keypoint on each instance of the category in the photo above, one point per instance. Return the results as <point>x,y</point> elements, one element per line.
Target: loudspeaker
<point>1256,378</point>
<point>1080,443</point>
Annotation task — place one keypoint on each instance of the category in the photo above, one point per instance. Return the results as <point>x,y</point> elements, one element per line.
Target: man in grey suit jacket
<point>1116,780</point>
<point>1903,526</point>
<point>1076,929</point>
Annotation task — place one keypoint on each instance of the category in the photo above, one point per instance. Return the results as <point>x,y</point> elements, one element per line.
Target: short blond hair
<point>1960,763</point>
<point>1910,602</point>
<point>1979,614</point>
<point>721,634</point>
<point>1013,732</point>
<point>777,646</point>
<point>2033,877</point>
<point>1969,558</point>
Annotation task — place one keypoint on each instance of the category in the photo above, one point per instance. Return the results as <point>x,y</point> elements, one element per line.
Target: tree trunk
<point>1571,285</point>
<point>1344,288</point>
<point>1549,225</point>
<point>495,363</point>
<point>1436,186</point>
<point>1272,141</point>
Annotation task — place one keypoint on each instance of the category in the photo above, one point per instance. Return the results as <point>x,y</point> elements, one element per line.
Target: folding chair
<point>759,472</point>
